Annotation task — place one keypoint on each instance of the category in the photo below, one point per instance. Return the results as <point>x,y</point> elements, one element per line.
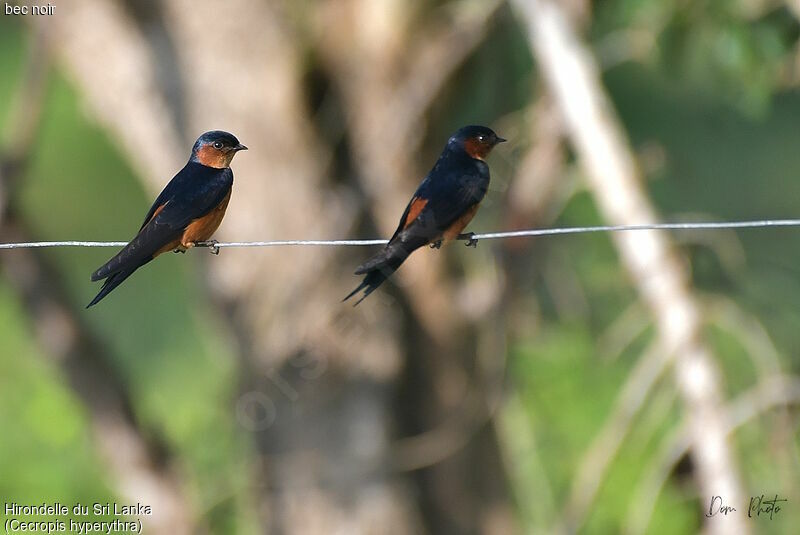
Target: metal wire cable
<point>474,237</point>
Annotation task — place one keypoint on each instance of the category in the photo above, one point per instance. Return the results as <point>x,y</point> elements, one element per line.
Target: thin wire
<point>39,244</point>
<point>476,237</point>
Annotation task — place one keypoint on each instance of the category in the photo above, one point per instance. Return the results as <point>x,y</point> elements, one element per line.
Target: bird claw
<point>472,241</point>
<point>211,244</point>
<point>179,250</point>
<point>436,244</point>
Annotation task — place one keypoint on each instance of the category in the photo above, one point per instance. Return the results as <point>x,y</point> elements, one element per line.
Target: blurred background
<point>568,384</point>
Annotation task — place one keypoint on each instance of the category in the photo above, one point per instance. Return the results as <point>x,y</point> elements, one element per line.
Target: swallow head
<point>216,149</point>
<point>476,141</point>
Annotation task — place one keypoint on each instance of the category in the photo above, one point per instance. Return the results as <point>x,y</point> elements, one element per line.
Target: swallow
<point>187,211</point>
<point>444,203</point>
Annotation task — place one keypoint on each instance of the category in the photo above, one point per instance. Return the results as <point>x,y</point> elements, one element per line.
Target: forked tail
<point>380,267</point>
<point>110,283</point>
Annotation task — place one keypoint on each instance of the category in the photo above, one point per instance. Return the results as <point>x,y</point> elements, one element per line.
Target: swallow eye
<point>481,138</point>
<point>218,145</point>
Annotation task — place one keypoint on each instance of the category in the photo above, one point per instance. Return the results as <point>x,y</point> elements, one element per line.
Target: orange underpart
<point>202,228</point>
<point>459,224</point>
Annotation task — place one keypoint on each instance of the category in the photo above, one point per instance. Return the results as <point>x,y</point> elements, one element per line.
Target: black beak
<point>499,139</point>
<point>239,147</point>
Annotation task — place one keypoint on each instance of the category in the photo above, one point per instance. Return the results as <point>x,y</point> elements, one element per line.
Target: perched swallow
<point>442,206</point>
<point>187,211</point>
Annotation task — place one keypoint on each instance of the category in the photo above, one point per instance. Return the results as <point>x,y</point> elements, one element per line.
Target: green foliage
<point>46,453</point>
<point>738,51</point>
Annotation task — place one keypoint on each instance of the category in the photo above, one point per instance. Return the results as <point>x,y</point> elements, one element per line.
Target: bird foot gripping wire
<point>213,246</point>
<point>472,241</point>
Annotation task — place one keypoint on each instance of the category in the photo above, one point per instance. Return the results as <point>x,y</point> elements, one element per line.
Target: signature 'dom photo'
<point>400,267</point>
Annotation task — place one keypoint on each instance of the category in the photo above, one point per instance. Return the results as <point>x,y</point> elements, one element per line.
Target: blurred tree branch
<point>573,77</point>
